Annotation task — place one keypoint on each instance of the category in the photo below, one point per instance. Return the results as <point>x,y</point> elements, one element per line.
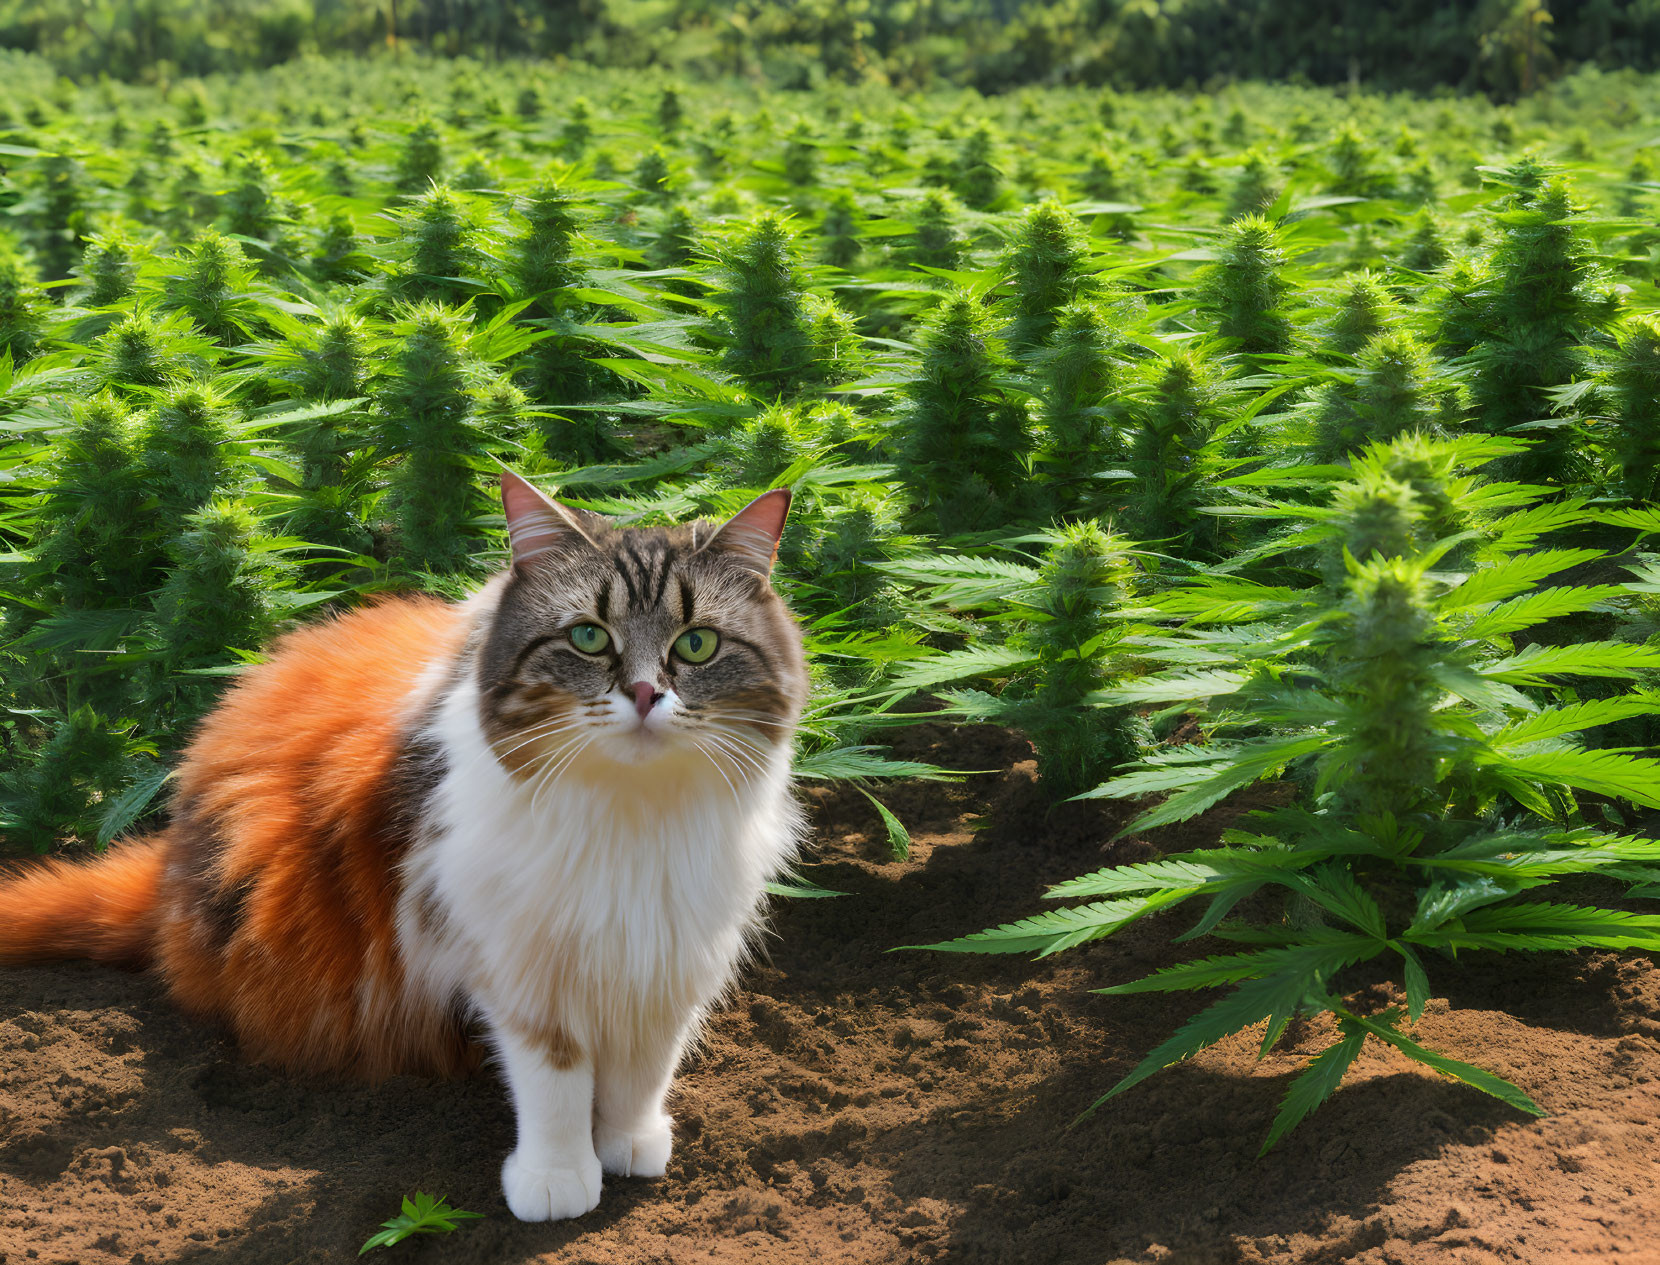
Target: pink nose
<point>645,697</point>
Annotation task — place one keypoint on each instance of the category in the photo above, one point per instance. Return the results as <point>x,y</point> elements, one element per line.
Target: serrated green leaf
<point>1057,929</point>
<point>1516,574</point>
<point>1314,1085</point>
<point>1255,761</point>
<point>1176,687</point>
<point>1249,1004</point>
<point>1192,870</point>
<point>1472,1076</point>
<point>1535,608</point>
<point>899,839</point>
<point>959,665</point>
<point>1572,718</point>
<point>1538,664</point>
<point>129,806</point>
<point>1417,982</point>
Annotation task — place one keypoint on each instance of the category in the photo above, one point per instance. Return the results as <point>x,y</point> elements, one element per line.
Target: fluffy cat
<point>545,815</point>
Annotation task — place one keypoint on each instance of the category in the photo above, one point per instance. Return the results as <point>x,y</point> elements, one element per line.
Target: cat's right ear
<point>536,524</point>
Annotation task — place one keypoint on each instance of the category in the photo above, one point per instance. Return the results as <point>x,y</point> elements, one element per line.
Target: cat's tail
<point>104,909</point>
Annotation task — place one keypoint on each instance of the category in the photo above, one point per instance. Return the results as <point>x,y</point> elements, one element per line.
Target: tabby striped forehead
<point>646,572</point>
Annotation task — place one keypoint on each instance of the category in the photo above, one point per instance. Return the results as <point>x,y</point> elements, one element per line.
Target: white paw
<point>550,1192</point>
<point>634,1152</point>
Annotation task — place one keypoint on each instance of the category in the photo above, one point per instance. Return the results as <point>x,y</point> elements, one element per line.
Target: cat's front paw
<point>642,1152</point>
<point>550,1192</point>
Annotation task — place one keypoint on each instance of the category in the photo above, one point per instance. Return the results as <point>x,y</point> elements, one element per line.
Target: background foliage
<point>1503,47</point>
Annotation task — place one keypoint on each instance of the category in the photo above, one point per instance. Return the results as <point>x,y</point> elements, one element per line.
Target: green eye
<point>590,638</point>
<point>697,645</point>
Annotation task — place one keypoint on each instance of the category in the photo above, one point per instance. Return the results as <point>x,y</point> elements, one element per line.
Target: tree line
<point>1504,48</point>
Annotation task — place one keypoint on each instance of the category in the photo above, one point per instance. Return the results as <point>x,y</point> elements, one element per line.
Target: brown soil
<point>855,1105</point>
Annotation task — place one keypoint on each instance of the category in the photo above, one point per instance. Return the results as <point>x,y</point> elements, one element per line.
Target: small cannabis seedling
<point>421,1215</point>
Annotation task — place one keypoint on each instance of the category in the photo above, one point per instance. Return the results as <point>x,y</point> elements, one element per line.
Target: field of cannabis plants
<point>1277,437</point>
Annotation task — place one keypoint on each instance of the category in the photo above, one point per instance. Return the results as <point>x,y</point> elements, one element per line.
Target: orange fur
<point>270,903</point>
<point>105,912</point>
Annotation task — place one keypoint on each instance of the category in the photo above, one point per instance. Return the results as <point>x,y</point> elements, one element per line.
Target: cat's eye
<point>697,644</point>
<point>590,638</point>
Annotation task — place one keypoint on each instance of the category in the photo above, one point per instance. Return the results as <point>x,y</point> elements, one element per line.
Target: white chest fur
<point>612,904</point>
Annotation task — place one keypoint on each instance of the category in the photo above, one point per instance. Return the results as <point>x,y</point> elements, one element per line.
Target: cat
<point>545,816</point>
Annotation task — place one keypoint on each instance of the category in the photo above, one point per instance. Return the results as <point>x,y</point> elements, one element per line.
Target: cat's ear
<point>751,535</point>
<point>536,524</point>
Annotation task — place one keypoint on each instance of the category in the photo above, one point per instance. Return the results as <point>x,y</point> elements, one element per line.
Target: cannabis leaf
<point>421,1215</point>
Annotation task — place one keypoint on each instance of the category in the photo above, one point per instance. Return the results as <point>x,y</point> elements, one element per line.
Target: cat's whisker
<point>551,778</point>
<point>543,729</point>
<point>742,763</point>
<point>746,718</point>
<point>756,752</point>
<point>715,764</point>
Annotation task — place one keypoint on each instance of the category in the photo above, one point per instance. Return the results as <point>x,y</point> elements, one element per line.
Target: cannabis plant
<point>22,306</point>
<point>978,178</point>
<point>1246,289</point>
<point>65,788</point>
<point>1078,373</point>
<point>438,241</point>
<point>94,535</point>
<point>1439,769</point>
<point>1256,187</point>
<point>145,349</point>
<point>422,158</point>
<point>1547,302</point>
<point>840,230</point>
<point>1426,246</point>
<point>1364,309</point>
<point>333,375</point>
<point>109,268</point>
<point>221,597</point>
<point>426,419</point>
<point>1175,417</point>
<point>541,254</point>
<point>1048,267</point>
<point>778,338</point>
<point>187,449</point>
<point>1398,386</point>
<point>964,437</point>
<point>936,241</point>
<point>1068,642</point>
<point>1629,389</point>
<point>215,288</point>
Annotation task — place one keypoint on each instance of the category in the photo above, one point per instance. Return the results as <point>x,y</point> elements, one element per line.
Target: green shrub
<point>779,340</point>
<point>220,597</point>
<point>1173,421</point>
<point>1547,301</point>
<point>1630,388</point>
<point>964,438</point>
<point>1048,264</point>
<point>426,420</point>
<point>215,289</point>
<point>936,241</point>
<point>1398,388</point>
<point>1245,290</point>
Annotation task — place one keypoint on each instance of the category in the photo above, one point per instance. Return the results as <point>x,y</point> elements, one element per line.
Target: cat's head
<point>640,646</point>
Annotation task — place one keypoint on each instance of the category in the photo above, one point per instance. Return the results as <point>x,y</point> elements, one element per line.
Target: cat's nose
<point>646,696</point>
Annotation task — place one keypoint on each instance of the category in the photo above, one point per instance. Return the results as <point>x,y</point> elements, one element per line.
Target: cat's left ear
<point>536,524</point>
<point>751,535</point>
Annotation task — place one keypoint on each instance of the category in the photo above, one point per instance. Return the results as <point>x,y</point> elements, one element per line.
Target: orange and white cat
<point>543,819</point>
